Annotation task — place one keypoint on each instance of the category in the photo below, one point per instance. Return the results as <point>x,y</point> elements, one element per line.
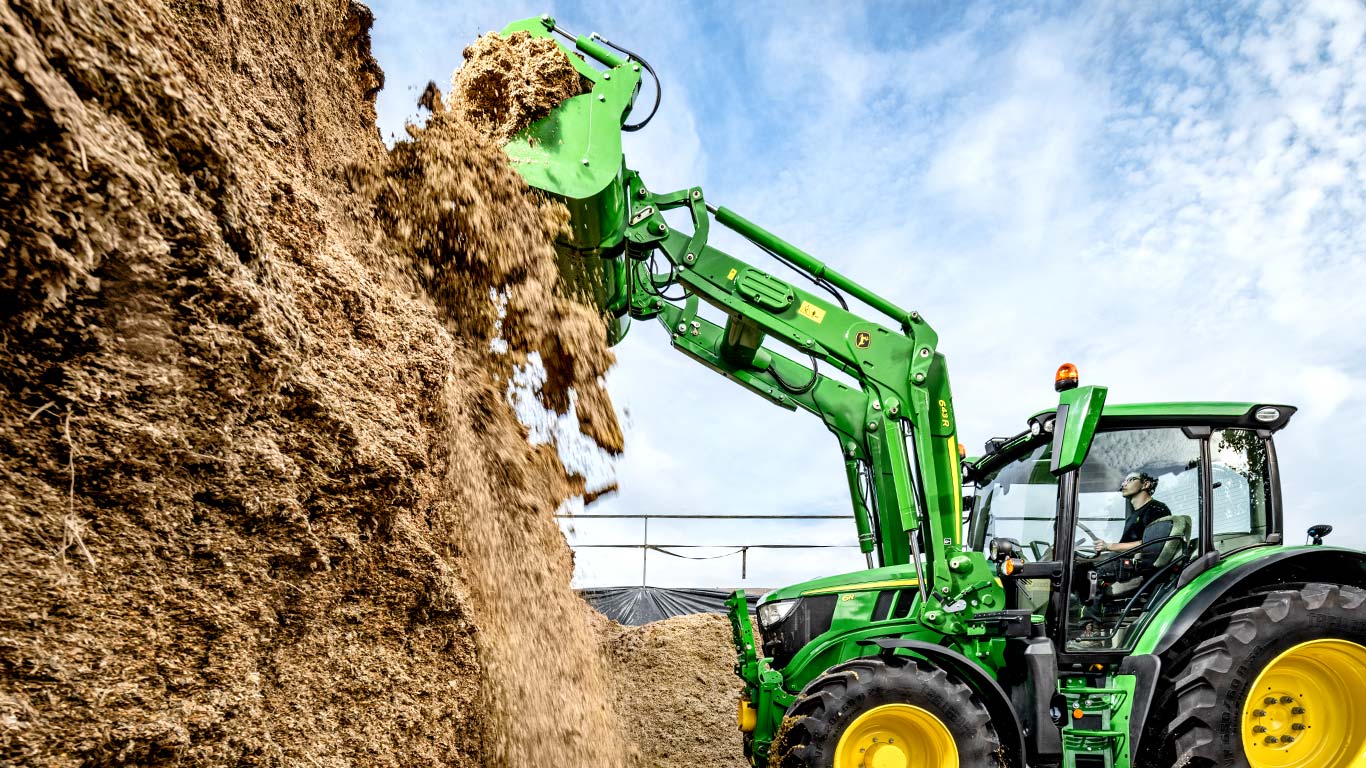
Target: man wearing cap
<point>1138,489</point>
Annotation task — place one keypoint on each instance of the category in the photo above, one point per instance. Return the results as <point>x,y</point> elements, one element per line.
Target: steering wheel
<point>1042,550</point>
<point>1087,548</point>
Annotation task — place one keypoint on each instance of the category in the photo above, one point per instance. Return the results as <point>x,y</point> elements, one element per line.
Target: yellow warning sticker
<point>812,312</point>
<point>733,273</point>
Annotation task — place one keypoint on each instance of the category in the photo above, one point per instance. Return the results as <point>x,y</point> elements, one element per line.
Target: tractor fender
<point>1329,565</point>
<point>1321,564</point>
<point>1003,715</point>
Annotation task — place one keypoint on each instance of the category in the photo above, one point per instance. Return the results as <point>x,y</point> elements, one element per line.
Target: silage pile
<point>507,83</point>
<point>676,691</point>
<point>262,500</point>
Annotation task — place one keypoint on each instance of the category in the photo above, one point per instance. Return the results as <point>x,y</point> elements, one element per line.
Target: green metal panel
<point>763,290</point>
<point>551,152</point>
<point>574,152</point>
<point>1078,413</point>
<point>1121,716</point>
<point>1194,410</point>
<point>842,642</point>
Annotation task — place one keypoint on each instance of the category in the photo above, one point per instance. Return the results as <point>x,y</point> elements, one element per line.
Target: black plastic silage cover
<point>641,605</point>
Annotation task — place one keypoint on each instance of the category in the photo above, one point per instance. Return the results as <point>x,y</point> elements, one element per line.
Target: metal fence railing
<point>645,546</point>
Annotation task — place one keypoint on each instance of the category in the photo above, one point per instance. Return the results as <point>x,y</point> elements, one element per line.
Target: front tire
<point>1292,669</point>
<point>886,711</point>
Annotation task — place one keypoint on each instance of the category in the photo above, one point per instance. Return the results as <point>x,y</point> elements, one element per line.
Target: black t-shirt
<point>1141,518</point>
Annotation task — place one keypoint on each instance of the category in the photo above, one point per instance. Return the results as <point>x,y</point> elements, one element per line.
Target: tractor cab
<point>1095,542</point>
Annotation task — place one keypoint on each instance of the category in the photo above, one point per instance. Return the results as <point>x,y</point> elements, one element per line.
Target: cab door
<point>1136,519</point>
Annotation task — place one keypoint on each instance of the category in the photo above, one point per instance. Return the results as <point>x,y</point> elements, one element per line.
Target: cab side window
<point>1238,475</point>
<point>1018,504</point>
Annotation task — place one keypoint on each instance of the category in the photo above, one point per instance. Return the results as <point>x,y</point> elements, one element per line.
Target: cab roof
<point>1212,409</point>
<point>1212,413</point>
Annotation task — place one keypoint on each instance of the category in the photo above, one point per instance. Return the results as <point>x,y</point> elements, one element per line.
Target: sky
<point>1170,196</point>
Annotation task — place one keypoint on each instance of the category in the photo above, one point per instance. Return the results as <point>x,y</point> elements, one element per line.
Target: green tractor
<point>1112,590</point>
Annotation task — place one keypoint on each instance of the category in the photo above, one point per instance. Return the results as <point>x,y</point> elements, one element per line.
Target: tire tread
<point>1203,671</point>
<point>811,728</point>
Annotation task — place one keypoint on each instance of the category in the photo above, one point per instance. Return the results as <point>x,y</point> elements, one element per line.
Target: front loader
<point>1114,589</point>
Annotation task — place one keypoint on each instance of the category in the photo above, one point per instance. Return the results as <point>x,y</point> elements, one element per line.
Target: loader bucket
<point>574,155</point>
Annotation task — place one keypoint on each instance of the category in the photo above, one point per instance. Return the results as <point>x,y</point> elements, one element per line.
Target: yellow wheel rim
<point>896,736</point>
<point>1307,708</point>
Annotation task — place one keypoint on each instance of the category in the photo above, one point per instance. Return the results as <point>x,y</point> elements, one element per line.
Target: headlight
<point>1267,414</point>
<point>774,612</point>
<point>1001,549</point>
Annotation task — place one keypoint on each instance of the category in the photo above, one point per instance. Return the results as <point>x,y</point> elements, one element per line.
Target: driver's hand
<point>1101,546</point>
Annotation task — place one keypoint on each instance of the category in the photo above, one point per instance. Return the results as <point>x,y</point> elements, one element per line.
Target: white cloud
<point>1325,391</point>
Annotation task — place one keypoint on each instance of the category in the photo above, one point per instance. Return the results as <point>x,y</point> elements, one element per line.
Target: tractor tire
<point>1292,669</point>
<point>920,715</point>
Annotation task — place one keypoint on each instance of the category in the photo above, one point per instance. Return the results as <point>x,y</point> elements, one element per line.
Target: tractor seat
<point>1164,540</point>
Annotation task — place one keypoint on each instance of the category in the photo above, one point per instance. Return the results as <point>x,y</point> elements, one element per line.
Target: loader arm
<point>895,429</point>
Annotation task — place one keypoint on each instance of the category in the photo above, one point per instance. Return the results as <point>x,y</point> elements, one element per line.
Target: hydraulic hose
<point>659,91</point>
<point>792,388</point>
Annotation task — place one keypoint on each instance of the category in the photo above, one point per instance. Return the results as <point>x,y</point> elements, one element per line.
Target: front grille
<point>884,604</point>
<point>809,618</point>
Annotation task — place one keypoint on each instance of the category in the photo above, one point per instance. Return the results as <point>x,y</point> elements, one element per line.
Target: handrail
<point>739,549</point>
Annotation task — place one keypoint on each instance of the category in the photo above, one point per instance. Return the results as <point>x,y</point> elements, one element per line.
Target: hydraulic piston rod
<point>806,261</point>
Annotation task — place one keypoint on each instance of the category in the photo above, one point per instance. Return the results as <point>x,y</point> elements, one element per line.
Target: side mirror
<point>1075,426</point>
<point>1317,532</point>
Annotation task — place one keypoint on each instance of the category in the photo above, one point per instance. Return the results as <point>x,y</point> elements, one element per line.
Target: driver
<point>1138,489</point>
<point>1141,511</point>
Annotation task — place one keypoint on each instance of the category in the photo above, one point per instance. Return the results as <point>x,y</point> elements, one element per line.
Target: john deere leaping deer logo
<point>863,339</point>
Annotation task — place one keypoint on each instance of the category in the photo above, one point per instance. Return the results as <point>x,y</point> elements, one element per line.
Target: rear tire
<point>1306,649</point>
<point>920,714</point>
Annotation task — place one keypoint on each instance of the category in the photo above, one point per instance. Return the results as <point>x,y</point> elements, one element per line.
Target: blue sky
<point>1169,196</point>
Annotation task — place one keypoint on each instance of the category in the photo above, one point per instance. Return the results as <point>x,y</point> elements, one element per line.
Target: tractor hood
<point>891,577</point>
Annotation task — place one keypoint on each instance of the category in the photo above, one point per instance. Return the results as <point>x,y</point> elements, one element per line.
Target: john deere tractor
<point>1114,588</point>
